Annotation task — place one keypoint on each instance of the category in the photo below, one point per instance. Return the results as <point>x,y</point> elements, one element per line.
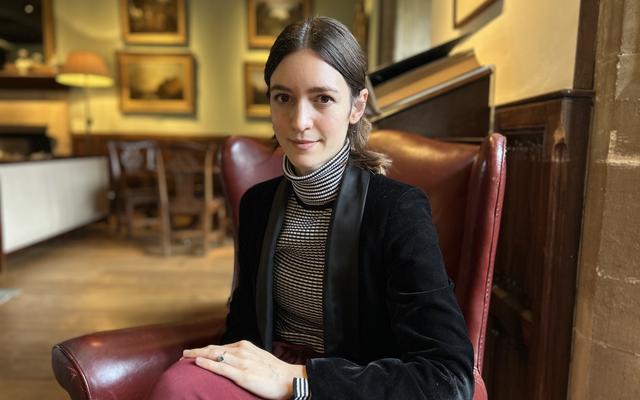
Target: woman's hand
<point>250,367</point>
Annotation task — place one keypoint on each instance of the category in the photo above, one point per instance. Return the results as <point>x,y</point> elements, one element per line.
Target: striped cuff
<point>301,389</point>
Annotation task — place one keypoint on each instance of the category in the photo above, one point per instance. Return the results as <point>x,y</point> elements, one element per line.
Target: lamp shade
<point>84,69</point>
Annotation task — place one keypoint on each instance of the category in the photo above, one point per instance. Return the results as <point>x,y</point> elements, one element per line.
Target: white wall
<point>531,43</point>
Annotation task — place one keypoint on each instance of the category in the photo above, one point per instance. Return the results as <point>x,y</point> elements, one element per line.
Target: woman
<point>340,271</point>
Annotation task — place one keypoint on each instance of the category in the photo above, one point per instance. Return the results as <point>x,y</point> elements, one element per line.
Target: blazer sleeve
<point>241,320</point>
<point>435,359</point>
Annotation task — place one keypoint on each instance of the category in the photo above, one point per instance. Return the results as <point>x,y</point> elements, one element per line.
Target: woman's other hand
<point>250,367</point>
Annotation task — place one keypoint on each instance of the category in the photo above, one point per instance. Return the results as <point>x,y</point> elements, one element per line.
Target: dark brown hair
<point>334,43</point>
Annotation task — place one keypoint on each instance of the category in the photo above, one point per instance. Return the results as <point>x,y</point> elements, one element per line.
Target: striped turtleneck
<point>299,260</point>
<point>320,186</point>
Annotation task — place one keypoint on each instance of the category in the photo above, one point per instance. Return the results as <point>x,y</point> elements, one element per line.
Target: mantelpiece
<point>10,81</point>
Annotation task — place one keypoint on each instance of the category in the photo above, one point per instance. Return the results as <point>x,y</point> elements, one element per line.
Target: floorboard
<point>90,280</point>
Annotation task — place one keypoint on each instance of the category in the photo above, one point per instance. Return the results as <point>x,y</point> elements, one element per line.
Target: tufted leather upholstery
<point>465,184</point>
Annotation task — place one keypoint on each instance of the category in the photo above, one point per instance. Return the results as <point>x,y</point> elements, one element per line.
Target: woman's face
<point>311,108</point>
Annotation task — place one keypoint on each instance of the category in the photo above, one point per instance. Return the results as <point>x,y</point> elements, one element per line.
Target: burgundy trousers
<point>184,380</point>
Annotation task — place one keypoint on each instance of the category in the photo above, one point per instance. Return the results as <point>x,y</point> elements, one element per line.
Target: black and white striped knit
<point>301,389</point>
<point>299,261</point>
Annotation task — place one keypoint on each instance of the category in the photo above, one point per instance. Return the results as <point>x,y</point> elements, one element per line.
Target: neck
<point>321,185</point>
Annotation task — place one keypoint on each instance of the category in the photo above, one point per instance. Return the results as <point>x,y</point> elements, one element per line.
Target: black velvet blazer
<point>393,328</point>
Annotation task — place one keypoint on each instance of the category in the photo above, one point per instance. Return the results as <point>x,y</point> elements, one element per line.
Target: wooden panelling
<point>96,144</point>
<point>460,111</point>
<point>529,342</point>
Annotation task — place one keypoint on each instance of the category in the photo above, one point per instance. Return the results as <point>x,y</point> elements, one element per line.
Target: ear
<point>358,106</point>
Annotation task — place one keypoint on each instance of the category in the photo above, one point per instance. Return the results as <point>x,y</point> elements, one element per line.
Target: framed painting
<point>27,34</point>
<point>156,83</point>
<point>465,10</point>
<point>153,21</point>
<point>267,18</point>
<point>255,91</point>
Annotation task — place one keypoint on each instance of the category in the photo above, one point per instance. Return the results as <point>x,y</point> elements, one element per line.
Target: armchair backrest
<point>244,162</point>
<point>465,185</point>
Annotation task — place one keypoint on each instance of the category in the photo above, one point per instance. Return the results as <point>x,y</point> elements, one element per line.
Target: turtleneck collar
<point>320,186</point>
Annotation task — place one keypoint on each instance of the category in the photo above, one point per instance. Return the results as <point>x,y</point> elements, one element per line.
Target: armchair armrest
<point>125,363</point>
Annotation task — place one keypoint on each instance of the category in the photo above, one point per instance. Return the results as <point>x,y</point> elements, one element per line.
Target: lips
<point>303,144</point>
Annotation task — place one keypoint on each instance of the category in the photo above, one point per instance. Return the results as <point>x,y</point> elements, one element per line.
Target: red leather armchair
<point>465,184</point>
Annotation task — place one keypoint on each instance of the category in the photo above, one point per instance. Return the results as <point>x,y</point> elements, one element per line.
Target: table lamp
<point>85,69</point>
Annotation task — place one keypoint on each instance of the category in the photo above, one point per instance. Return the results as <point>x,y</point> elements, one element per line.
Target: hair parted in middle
<point>335,45</point>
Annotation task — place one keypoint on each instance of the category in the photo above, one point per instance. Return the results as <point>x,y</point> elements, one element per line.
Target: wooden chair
<point>136,170</point>
<point>466,186</point>
<point>188,203</point>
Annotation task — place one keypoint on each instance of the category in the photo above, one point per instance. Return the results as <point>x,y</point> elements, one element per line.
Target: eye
<point>325,99</point>
<point>282,98</point>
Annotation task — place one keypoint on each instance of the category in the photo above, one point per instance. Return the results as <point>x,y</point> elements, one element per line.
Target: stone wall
<point>606,356</point>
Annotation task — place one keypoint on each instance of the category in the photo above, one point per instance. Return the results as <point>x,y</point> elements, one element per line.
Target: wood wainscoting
<point>530,329</point>
<point>96,144</point>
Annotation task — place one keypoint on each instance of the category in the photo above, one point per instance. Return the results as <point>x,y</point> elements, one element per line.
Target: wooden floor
<point>92,280</point>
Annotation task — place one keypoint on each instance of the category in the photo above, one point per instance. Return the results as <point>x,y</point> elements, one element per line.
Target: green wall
<point>217,39</point>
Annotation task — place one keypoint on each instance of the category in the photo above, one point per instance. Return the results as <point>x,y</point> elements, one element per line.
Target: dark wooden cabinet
<point>530,328</point>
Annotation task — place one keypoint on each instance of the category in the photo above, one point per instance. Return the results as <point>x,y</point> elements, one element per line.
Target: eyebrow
<point>315,89</point>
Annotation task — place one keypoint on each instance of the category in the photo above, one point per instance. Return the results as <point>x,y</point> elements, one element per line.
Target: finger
<point>211,352</point>
<point>248,351</point>
<point>246,354</point>
<point>199,349</point>
<point>236,360</point>
<point>245,344</point>
<point>220,368</point>
<point>217,348</point>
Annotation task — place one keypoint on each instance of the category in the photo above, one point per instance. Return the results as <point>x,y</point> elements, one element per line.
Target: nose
<point>301,116</point>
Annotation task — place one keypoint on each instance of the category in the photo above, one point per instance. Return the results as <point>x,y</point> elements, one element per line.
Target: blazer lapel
<point>264,282</point>
<point>341,271</point>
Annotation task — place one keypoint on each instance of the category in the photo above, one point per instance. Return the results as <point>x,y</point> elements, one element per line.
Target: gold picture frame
<point>48,31</point>
<point>153,21</point>
<point>267,18</point>
<point>40,51</point>
<point>255,91</point>
<point>465,10</point>
<point>156,83</point>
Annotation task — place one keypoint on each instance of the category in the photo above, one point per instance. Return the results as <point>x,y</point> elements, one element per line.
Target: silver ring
<point>221,356</point>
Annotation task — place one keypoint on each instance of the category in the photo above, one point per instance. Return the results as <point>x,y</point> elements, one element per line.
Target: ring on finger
<point>221,356</point>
